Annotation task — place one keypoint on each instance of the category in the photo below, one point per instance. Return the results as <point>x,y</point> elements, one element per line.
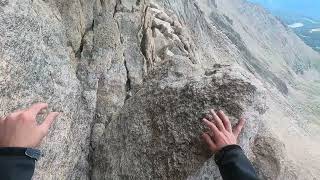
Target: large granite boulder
<point>157,135</point>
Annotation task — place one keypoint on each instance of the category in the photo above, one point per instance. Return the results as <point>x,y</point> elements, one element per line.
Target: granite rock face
<point>162,122</point>
<point>36,66</point>
<point>133,78</point>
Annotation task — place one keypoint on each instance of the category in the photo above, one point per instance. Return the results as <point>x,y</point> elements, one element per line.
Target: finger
<point>225,121</point>
<point>217,120</point>
<point>45,126</point>
<point>238,127</point>
<point>209,117</point>
<point>212,127</point>
<point>35,109</point>
<point>212,146</point>
<point>16,114</point>
<point>13,115</point>
<point>2,118</point>
<point>211,134</point>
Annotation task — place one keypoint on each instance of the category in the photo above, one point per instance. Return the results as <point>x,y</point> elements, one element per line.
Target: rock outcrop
<point>159,134</point>
<point>132,79</point>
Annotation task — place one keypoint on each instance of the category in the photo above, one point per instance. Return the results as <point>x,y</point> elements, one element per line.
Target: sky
<point>310,8</point>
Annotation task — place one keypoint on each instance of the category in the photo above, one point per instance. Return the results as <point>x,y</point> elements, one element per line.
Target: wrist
<point>30,153</point>
<point>221,153</point>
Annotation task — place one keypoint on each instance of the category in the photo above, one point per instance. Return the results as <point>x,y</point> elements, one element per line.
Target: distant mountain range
<point>302,16</point>
<point>308,8</point>
<point>308,29</point>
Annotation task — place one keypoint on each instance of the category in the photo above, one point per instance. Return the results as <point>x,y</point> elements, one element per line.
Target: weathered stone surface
<point>132,78</point>
<point>35,66</point>
<point>160,125</point>
<point>268,156</point>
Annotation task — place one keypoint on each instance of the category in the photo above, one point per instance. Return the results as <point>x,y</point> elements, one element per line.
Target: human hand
<point>221,133</point>
<point>20,129</point>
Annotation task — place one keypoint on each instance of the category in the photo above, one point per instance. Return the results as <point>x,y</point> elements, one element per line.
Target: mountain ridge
<point>132,79</point>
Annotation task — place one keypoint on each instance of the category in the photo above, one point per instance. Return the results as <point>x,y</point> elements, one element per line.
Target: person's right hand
<point>221,133</point>
<point>20,129</point>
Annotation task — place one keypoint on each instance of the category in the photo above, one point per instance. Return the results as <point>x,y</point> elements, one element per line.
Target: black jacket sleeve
<point>15,165</point>
<point>234,165</point>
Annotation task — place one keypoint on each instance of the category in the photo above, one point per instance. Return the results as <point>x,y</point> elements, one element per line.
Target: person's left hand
<point>20,129</point>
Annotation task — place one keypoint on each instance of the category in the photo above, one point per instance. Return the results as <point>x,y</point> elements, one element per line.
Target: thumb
<point>212,146</point>
<point>45,126</point>
<point>238,128</point>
